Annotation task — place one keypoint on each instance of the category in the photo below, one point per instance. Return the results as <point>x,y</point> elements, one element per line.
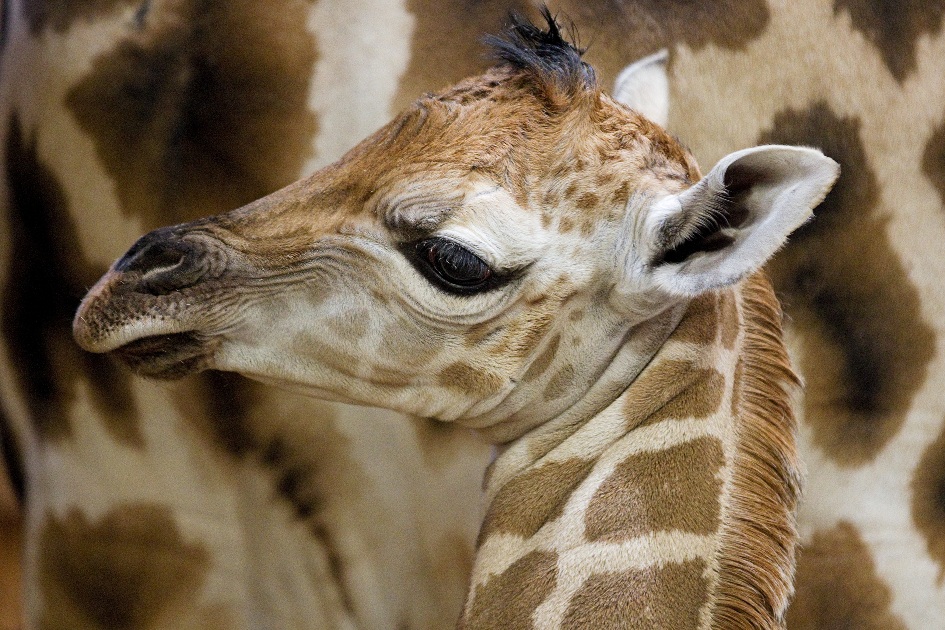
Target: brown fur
<point>757,550</point>
<point>453,27</point>
<point>541,363</point>
<point>839,586</point>
<point>162,106</point>
<point>527,127</point>
<point>644,493</point>
<point>471,379</point>
<point>933,160</point>
<point>131,569</point>
<point>47,273</point>
<point>61,15</point>
<point>928,499</point>
<point>895,27</point>
<point>532,577</point>
<point>11,564</point>
<point>667,597</point>
<point>534,498</point>
<point>701,323</point>
<point>560,384</point>
<point>673,389</point>
<point>866,345</point>
<point>678,489</point>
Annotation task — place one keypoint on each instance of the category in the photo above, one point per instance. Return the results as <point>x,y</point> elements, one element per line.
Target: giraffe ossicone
<point>523,255</point>
<point>644,87</point>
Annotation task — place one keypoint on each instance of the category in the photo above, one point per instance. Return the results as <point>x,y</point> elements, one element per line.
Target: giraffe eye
<point>452,266</point>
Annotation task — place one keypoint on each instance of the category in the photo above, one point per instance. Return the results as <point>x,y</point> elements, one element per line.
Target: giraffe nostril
<point>163,262</point>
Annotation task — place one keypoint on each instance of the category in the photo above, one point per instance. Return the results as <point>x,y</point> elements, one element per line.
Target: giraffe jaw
<point>168,357</point>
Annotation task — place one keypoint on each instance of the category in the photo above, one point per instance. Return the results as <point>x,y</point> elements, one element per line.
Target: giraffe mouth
<point>123,325</point>
<point>168,356</point>
<point>127,324</point>
<point>151,311</point>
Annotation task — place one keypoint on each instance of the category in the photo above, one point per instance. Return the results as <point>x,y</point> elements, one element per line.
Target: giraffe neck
<point>642,514</point>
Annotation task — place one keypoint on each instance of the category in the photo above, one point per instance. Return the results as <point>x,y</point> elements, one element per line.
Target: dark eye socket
<point>452,266</point>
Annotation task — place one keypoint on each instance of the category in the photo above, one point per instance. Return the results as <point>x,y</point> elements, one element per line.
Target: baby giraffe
<point>523,255</point>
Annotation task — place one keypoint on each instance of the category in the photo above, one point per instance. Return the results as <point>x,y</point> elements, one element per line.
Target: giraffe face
<point>481,257</point>
<point>455,256</point>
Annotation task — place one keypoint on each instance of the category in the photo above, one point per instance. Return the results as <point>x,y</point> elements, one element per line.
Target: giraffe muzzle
<point>150,309</point>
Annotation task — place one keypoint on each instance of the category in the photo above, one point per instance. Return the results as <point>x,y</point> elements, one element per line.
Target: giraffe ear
<point>644,86</point>
<point>731,222</point>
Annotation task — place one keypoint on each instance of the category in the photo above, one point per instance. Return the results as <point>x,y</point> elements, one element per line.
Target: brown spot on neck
<point>865,344</point>
<point>671,389</point>
<point>670,596</point>
<point>47,277</point>
<point>186,131</point>
<point>130,569</point>
<point>509,599</point>
<point>700,324</point>
<point>895,27</point>
<point>837,585</point>
<point>676,489</point>
<point>533,498</point>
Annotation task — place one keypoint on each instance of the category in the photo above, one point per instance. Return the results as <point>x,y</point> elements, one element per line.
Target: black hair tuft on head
<point>544,53</point>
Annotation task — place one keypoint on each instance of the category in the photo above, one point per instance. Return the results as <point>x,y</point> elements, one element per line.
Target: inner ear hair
<point>737,216</point>
<point>709,221</point>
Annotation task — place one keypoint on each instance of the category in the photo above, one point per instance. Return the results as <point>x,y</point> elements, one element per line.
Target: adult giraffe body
<point>96,163</point>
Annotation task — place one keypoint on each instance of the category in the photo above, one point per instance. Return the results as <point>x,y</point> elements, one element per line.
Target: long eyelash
<point>418,253</point>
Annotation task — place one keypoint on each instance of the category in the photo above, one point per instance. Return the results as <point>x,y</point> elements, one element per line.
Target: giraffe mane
<point>759,538</point>
<point>546,56</point>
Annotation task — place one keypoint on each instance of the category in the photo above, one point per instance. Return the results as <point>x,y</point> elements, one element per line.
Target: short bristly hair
<point>553,61</point>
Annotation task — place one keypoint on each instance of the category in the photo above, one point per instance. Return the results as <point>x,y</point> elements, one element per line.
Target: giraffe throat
<point>640,497</point>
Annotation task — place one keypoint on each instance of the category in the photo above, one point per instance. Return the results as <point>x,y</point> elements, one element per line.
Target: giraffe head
<point>481,257</point>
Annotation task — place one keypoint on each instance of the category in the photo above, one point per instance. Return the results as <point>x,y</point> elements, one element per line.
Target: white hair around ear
<point>734,219</point>
<point>644,86</point>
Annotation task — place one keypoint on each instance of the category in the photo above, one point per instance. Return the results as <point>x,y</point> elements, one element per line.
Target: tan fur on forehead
<point>495,125</point>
